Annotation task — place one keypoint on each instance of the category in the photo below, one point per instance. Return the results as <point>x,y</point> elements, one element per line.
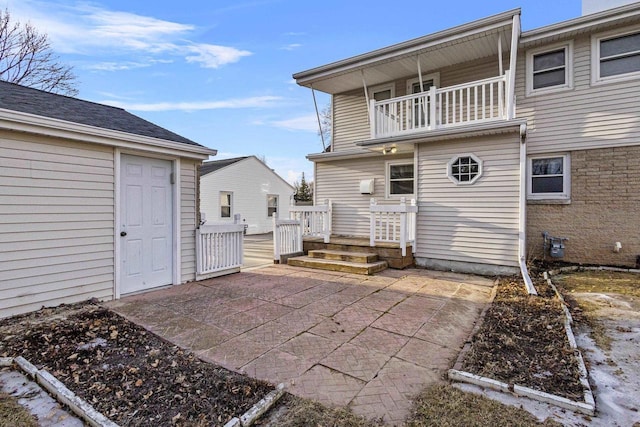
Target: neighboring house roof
<point>37,102</point>
<point>208,167</point>
<point>215,165</point>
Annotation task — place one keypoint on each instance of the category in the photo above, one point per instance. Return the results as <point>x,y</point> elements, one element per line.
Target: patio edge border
<point>62,394</point>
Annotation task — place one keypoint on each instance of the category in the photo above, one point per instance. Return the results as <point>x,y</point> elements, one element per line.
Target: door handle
<point>123,233</point>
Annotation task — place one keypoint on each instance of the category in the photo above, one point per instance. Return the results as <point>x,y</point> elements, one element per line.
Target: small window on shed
<point>272,204</point>
<point>464,169</point>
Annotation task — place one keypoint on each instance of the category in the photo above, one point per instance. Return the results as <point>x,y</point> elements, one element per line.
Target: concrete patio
<point>368,342</point>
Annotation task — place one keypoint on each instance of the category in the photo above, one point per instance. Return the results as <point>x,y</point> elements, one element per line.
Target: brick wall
<point>604,209</point>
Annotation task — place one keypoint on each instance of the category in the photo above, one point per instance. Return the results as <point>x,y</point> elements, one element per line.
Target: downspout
<point>522,220</point>
<point>511,114</point>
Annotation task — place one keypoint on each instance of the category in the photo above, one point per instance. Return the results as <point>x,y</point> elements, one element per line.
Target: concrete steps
<point>343,261</point>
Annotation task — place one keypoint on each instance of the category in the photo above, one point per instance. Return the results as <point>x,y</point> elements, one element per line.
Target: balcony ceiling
<point>468,42</point>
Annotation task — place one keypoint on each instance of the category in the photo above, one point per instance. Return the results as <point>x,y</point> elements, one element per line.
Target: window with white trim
<point>615,57</point>
<point>464,169</point>
<point>400,179</point>
<point>548,177</point>
<point>382,92</point>
<point>550,69</point>
<point>272,204</point>
<point>226,198</point>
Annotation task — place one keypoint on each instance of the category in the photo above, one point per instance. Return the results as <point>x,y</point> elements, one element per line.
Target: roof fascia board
<point>581,23</point>
<point>445,134</point>
<point>407,47</point>
<point>39,125</point>
<point>341,155</point>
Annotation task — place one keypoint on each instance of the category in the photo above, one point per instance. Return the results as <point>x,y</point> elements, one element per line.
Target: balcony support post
<point>513,57</point>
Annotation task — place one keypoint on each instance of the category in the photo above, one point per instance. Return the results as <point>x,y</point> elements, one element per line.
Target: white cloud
<point>251,102</point>
<point>308,123</point>
<point>291,46</point>
<point>86,29</point>
<point>212,56</point>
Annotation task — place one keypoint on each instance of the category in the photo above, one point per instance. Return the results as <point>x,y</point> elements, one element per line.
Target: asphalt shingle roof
<point>208,167</point>
<point>34,101</point>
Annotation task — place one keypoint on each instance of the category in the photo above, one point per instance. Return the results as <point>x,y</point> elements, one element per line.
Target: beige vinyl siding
<point>585,117</point>
<point>188,218</point>
<point>340,182</point>
<point>56,222</point>
<point>350,120</point>
<point>350,116</point>
<point>470,223</point>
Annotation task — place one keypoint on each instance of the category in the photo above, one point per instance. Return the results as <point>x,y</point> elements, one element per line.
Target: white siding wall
<point>470,223</point>
<point>188,218</point>
<point>250,181</point>
<point>56,222</point>
<point>585,117</point>
<point>340,182</point>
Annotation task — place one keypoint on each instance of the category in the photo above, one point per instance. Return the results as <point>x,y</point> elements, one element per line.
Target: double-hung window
<point>272,204</point>
<point>615,57</point>
<point>226,198</point>
<point>549,69</point>
<point>400,179</point>
<point>549,177</point>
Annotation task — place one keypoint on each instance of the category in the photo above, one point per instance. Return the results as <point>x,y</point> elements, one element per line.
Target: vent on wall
<point>366,186</point>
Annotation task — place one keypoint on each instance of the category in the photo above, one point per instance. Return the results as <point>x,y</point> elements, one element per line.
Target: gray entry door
<point>146,230</point>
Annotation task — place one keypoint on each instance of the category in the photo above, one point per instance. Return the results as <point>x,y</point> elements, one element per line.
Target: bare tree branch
<point>26,58</point>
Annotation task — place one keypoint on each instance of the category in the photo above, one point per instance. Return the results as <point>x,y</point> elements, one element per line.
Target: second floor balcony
<point>437,108</point>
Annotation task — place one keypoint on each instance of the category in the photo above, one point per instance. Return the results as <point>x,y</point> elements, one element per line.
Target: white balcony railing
<point>393,224</point>
<point>437,108</point>
<point>316,220</point>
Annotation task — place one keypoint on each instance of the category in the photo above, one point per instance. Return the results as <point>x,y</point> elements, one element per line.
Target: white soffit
<point>465,43</point>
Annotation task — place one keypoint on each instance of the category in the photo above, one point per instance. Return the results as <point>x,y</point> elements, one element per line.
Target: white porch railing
<point>393,223</point>
<point>219,249</point>
<point>478,101</point>
<point>316,220</point>
<point>287,238</point>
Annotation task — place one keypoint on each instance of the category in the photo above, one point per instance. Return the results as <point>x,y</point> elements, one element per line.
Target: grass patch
<point>602,282</point>
<point>444,405</point>
<point>304,413</point>
<point>597,282</point>
<point>12,414</point>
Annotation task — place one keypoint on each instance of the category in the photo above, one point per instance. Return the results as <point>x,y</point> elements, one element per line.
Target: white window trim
<point>455,159</point>
<point>568,68</point>
<point>595,58</point>
<point>425,77</point>
<point>566,181</point>
<point>224,218</point>
<point>381,88</point>
<point>387,178</point>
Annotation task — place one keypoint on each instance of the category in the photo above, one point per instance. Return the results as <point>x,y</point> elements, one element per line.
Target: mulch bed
<point>127,373</point>
<point>523,341</point>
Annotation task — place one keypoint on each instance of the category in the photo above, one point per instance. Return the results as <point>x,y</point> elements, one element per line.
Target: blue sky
<point>219,72</point>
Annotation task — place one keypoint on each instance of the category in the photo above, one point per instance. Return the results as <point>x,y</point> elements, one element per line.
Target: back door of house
<point>146,224</point>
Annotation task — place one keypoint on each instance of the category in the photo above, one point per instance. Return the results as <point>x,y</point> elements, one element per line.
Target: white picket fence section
<point>473,102</point>
<point>393,223</point>
<point>287,238</point>
<point>219,249</point>
<point>316,220</point>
